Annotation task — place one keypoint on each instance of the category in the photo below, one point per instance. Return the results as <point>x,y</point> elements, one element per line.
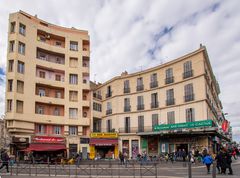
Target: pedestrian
<point>219,159</point>
<point>207,160</point>
<point>229,162</point>
<point>125,155</point>
<point>121,157</point>
<point>5,159</point>
<point>184,155</point>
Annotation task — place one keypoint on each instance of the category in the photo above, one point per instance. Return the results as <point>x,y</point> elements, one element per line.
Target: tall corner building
<point>48,88</point>
<point>164,109</point>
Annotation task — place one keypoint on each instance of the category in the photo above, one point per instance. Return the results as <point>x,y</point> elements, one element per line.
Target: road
<point>161,170</point>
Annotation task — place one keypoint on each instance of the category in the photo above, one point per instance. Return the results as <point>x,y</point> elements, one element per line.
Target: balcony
<point>154,84</point>
<point>109,95</point>
<point>188,98</point>
<point>50,56</point>
<point>50,39</point>
<point>140,107</point>
<point>187,74</point>
<point>127,108</point>
<point>109,111</point>
<point>126,90</point>
<point>140,87</point>
<point>169,80</point>
<point>170,101</point>
<point>95,95</point>
<point>154,105</point>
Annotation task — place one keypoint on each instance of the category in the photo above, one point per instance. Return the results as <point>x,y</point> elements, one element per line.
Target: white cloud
<point>122,33</point>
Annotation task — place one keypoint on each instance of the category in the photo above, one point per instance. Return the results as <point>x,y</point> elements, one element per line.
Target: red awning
<point>45,147</point>
<point>103,142</point>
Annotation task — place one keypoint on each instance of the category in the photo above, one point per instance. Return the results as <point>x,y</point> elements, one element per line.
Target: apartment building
<point>163,109</point>
<point>48,89</point>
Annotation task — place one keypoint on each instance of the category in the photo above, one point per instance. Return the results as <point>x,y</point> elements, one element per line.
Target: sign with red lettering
<point>45,139</point>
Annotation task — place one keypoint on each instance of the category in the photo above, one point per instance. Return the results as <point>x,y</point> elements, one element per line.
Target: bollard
<point>214,170</point>
<point>189,170</point>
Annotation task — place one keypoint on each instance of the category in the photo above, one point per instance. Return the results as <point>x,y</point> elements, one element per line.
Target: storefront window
<point>135,149</point>
<point>152,146</point>
<point>125,146</point>
<point>72,150</point>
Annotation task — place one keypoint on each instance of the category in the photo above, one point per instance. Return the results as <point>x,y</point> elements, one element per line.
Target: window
<point>11,46</point>
<point>109,92</point>
<point>10,65</point>
<point>140,104</point>
<point>109,125</point>
<point>127,125</point>
<point>171,117</point>
<point>109,108</point>
<point>73,96</point>
<point>58,94</point>
<point>188,89</point>
<point>56,111</point>
<point>21,48</point>
<point>19,106</point>
<point>57,130</point>
<point>84,130</point>
<point>154,120</point>
<point>190,117</point>
<point>73,46</point>
<point>140,84</point>
<point>41,92</point>
<point>73,62</point>
<point>20,86</point>
<point>58,43</point>
<point>169,76</point>
<point>187,69</point>
<point>154,100</point>
<point>97,107</point>
<point>41,129</point>
<point>72,130</point>
<point>126,86</point>
<point>170,97</point>
<point>12,27</point>
<point>42,74</point>
<point>73,112</point>
<point>127,106</point>
<point>10,85</point>
<point>20,67</point>
<point>40,110</point>
<point>9,105</point>
<point>73,79</point>
<point>154,82</point>
<point>58,77</point>
<point>22,29</point>
<point>140,123</point>
<point>97,124</point>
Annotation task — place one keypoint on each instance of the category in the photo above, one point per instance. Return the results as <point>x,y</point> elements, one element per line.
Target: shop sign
<point>21,139</point>
<point>41,139</point>
<point>205,123</point>
<point>225,126</point>
<point>104,135</point>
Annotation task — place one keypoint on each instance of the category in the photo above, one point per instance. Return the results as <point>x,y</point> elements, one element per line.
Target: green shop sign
<point>205,123</point>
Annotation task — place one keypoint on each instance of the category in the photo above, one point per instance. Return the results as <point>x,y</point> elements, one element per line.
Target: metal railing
<point>169,80</point>
<point>187,74</point>
<point>140,87</point>
<point>126,90</point>
<point>153,167</point>
<point>154,84</point>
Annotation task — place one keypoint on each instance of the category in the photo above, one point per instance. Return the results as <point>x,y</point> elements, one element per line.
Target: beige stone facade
<point>182,90</point>
<point>47,86</point>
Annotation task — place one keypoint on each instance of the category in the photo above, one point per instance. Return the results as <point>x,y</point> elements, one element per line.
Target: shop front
<point>103,146</point>
<point>18,144</point>
<point>189,136</point>
<point>46,149</point>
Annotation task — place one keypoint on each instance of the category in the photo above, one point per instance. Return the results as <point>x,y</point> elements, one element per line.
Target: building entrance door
<point>181,147</point>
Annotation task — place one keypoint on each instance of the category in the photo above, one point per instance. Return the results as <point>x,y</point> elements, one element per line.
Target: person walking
<point>207,160</point>
<point>121,157</point>
<point>184,155</point>
<point>219,159</point>
<point>229,163</point>
<point>5,160</point>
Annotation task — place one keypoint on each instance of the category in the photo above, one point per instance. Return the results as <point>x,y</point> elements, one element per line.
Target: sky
<point>133,35</point>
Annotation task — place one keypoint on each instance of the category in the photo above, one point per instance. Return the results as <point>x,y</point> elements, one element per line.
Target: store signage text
<point>205,123</point>
<point>104,135</point>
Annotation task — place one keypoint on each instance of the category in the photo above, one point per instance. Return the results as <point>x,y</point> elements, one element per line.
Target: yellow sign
<point>104,135</point>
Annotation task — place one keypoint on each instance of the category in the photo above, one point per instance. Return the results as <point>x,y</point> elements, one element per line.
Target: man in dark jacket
<point>229,162</point>
<point>5,159</point>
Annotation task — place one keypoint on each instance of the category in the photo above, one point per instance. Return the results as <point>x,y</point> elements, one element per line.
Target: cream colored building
<point>145,108</point>
<point>48,88</point>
